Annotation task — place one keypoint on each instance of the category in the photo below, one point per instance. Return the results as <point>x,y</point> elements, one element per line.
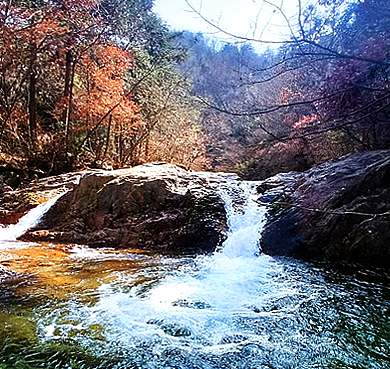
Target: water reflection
<point>151,312</point>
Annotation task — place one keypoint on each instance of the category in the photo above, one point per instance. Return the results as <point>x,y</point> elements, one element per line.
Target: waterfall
<point>235,308</point>
<point>207,292</point>
<point>245,219</point>
<point>12,232</point>
<point>225,279</point>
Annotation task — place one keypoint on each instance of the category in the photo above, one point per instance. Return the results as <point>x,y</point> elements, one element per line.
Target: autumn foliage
<point>72,87</point>
<point>104,83</point>
<point>322,94</point>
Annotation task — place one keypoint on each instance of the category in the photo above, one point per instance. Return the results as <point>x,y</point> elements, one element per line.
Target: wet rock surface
<point>336,211</point>
<point>156,207</point>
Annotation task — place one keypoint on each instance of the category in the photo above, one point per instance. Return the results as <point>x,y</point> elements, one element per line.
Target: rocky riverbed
<point>338,211</point>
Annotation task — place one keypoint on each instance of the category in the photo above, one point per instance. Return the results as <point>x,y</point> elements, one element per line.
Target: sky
<point>246,18</point>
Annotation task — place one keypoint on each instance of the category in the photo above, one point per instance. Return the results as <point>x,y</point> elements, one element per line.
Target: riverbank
<point>338,211</point>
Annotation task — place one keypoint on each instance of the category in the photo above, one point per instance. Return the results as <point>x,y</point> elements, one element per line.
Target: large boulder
<point>156,207</point>
<point>337,211</point>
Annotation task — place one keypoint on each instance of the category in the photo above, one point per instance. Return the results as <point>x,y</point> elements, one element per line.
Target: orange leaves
<point>305,120</point>
<point>81,3</point>
<point>103,73</point>
<point>288,96</point>
<point>45,28</point>
<point>69,52</point>
<point>114,60</point>
<point>285,96</point>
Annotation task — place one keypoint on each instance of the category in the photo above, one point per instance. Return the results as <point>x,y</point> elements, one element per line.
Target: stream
<point>76,307</point>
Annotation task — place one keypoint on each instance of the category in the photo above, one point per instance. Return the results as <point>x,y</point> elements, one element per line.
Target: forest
<point>170,199</point>
<point>107,84</point>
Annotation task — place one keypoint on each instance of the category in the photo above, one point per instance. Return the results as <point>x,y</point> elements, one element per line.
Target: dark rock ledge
<point>336,211</point>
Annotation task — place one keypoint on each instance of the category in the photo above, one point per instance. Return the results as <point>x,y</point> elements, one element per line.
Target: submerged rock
<point>156,207</point>
<point>336,211</point>
<point>7,274</point>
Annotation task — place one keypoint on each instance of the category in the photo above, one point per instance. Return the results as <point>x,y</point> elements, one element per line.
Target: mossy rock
<point>17,329</point>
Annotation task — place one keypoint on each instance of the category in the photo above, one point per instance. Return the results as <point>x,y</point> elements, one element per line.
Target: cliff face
<point>156,207</point>
<point>336,211</point>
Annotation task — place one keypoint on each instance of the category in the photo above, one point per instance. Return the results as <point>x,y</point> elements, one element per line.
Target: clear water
<point>233,309</point>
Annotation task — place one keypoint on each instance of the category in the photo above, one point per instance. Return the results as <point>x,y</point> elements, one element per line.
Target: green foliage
<point>171,130</point>
<point>136,25</point>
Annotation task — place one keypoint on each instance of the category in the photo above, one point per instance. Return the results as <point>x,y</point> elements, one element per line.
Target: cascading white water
<point>12,232</point>
<point>236,309</point>
<point>245,220</point>
<point>204,294</point>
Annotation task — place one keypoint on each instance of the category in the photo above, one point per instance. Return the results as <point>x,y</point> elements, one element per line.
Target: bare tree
<point>319,93</point>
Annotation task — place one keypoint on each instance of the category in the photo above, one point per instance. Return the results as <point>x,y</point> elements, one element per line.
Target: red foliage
<point>305,121</point>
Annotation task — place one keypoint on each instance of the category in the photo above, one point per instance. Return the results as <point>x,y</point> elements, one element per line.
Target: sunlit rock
<point>157,207</point>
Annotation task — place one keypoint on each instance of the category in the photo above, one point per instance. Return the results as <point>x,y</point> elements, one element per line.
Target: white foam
<point>11,233</point>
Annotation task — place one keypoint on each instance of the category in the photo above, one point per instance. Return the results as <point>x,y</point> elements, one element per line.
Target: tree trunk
<point>68,75</point>
<point>147,148</point>
<point>68,94</point>
<point>121,154</point>
<point>32,94</point>
<point>108,136</point>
